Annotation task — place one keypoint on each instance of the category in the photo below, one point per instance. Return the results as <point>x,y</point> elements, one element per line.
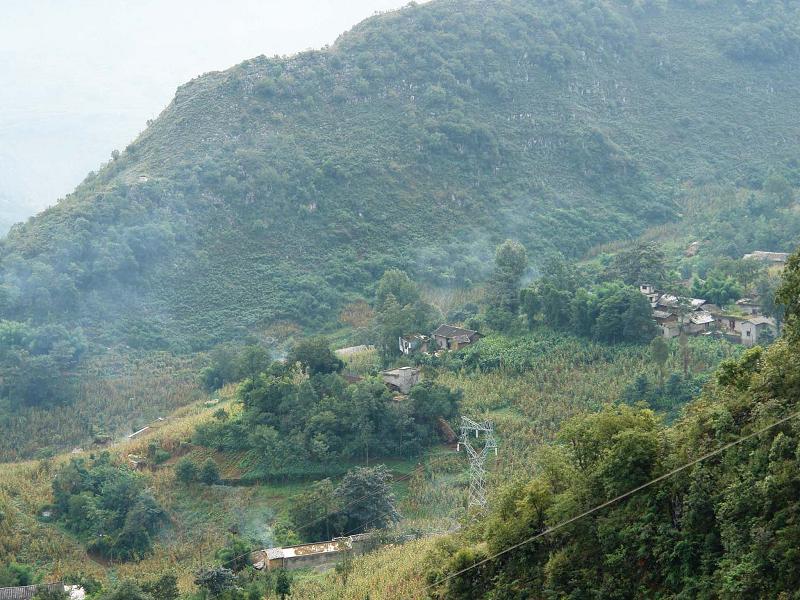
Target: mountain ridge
<point>280,189</point>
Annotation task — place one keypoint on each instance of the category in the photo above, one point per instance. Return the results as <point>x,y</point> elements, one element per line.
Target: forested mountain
<point>282,188</point>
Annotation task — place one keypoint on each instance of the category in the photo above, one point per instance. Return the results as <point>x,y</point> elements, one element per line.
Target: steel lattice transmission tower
<point>477,458</point>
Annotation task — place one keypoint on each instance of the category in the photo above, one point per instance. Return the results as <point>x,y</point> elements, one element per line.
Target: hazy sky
<point>79,78</point>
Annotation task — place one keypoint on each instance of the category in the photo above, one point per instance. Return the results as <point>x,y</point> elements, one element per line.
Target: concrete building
<point>402,379</point>
<point>757,328</point>
<point>319,554</point>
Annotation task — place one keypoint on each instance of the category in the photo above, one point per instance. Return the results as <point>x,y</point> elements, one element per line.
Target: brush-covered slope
<point>282,188</point>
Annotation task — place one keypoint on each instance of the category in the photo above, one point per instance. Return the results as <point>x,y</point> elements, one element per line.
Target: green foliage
<point>399,310</point>
<point>214,581</point>
<point>789,294</point>
<point>235,555</point>
<point>716,289</point>
<point>128,589</point>
<point>35,363</point>
<point>107,507</point>
<point>293,426</point>
<point>460,127</point>
<point>640,263</point>
<point>699,533</point>
<point>46,593</point>
<point>283,584</point>
<point>510,264</point>
<point>609,312</point>
<point>315,357</point>
<point>314,513</point>
<point>163,588</point>
<point>367,499</point>
<point>14,574</point>
<point>186,470</point>
<point>208,473</point>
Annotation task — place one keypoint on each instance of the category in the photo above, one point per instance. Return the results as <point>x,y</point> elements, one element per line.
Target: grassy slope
<point>566,375</point>
<point>281,187</point>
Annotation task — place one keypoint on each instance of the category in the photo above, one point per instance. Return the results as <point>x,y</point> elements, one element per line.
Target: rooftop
<point>449,331</point>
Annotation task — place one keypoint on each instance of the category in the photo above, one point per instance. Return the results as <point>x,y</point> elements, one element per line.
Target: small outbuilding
<point>402,379</point>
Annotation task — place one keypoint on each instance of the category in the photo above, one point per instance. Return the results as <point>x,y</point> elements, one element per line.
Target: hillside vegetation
<point>280,190</point>
<point>726,527</point>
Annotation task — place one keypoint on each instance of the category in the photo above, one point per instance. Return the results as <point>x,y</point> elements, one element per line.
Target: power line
<point>562,524</point>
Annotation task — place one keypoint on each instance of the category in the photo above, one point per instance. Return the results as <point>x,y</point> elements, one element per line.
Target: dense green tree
<point>163,588</point>
<point>531,305</point>
<point>659,351</point>
<point>208,473</point>
<point>398,284</point>
<point>367,499</point>
<point>107,506</point>
<point>315,512</point>
<point>128,589</point>
<point>214,581</point>
<point>14,574</point>
<point>716,289</point>
<point>186,470</point>
<point>315,356</point>
<point>789,294</point>
<point>640,263</point>
<point>503,294</point>
<point>283,584</point>
<point>399,310</point>
<point>235,554</point>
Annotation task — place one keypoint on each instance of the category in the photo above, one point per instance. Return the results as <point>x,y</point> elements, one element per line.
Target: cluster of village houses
<point>744,322</point>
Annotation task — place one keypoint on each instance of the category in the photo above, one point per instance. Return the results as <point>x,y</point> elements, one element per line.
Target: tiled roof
<point>449,331</point>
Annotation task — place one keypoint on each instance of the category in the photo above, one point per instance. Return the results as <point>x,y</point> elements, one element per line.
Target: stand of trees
<point>300,419</point>
<point>107,506</point>
<point>363,500</point>
<point>35,363</point>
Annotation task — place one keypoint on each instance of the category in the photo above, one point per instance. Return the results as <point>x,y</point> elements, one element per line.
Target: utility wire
<point>562,524</point>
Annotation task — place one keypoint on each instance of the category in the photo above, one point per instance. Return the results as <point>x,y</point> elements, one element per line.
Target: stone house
<point>749,306</point>
<point>402,379</point>
<point>757,328</point>
<point>448,337</point>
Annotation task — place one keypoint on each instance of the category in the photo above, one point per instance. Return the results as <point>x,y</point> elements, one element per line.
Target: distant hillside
<point>281,189</point>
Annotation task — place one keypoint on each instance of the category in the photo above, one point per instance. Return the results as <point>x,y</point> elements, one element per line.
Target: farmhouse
<point>757,328</point>
<point>402,379</point>
<point>749,306</point>
<point>674,314</point>
<point>448,337</point>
